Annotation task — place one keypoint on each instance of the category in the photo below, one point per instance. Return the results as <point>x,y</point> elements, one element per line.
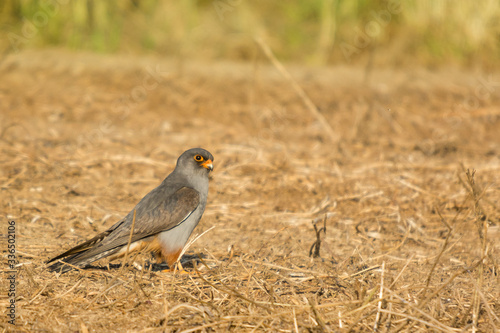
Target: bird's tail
<point>64,265</point>
<point>80,255</point>
<point>78,260</point>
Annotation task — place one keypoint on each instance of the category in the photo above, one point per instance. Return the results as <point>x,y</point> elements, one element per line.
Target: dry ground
<point>84,137</point>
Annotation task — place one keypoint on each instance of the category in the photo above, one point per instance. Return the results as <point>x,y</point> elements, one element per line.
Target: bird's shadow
<point>187,261</point>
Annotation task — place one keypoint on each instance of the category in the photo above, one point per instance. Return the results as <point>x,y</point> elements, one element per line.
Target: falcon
<point>164,218</point>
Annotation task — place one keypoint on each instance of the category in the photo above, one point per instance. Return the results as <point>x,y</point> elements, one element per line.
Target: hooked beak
<point>208,165</point>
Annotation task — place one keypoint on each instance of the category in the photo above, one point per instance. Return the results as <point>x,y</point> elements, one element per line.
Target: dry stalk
<point>72,288</point>
<point>229,290</point>
<point>443,248</point>
<point>491,314</point>
<point>341,324</point>
<point>389,315</point>
<point>438,290</point>
<point>317,316</point>
<point>300,270</point>
<point>108,288</point>
<point>125,297</point>
<point>360,319</point>
<point>401,271</point>
<point>314,251</point>
<point>298,89</point>
<point>414,308</point>
<point>187,246</point>
<point>366,303</point>
<point>38,293</point>
<point>429,276</point>
<point>482,230</point>
<point>380,296</point>
<point>398,246</point>
<point>83,328</point>
<point>295,326</point>
<point>261,323</point>
<point>138,285</point>
<point>366,270</point>
<point>437,325</point>
<point>125,258</point>
<point>202,327</point>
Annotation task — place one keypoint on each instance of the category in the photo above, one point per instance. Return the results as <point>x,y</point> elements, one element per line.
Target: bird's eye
<point>198,158</point>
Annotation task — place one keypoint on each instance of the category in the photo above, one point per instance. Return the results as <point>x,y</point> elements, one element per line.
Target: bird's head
<point>195,161</point>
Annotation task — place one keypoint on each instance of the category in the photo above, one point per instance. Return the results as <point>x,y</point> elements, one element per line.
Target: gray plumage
<point>166,216</point>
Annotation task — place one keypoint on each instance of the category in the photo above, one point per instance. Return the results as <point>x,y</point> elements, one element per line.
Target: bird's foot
<point>178,269</point>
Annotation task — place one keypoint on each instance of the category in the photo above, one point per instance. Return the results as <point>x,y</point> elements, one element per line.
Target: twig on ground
<point>380,296</point>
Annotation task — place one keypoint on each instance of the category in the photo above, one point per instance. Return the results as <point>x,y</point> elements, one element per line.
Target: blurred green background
<point>314,32</point>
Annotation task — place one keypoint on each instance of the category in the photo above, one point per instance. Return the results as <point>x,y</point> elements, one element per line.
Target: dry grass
<point>412,236</point>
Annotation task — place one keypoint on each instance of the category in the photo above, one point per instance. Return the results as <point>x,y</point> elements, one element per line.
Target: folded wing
<point>155,213</point>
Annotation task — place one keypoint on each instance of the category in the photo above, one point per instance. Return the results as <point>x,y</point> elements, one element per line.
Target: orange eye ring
<point>198,158</point>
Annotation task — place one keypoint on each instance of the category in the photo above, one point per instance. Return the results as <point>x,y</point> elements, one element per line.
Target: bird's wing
<point>167,215</point>
<point>153,215</point>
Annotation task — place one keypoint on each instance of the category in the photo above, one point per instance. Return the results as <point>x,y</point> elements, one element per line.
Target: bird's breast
<point>176,238</point>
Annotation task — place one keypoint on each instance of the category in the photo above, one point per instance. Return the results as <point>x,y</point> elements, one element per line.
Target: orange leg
<point>171,259</point>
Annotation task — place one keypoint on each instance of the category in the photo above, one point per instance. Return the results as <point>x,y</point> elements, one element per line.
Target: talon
<point>177,268</point>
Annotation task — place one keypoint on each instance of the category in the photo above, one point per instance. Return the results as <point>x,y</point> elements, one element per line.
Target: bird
<point>163,220</point>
